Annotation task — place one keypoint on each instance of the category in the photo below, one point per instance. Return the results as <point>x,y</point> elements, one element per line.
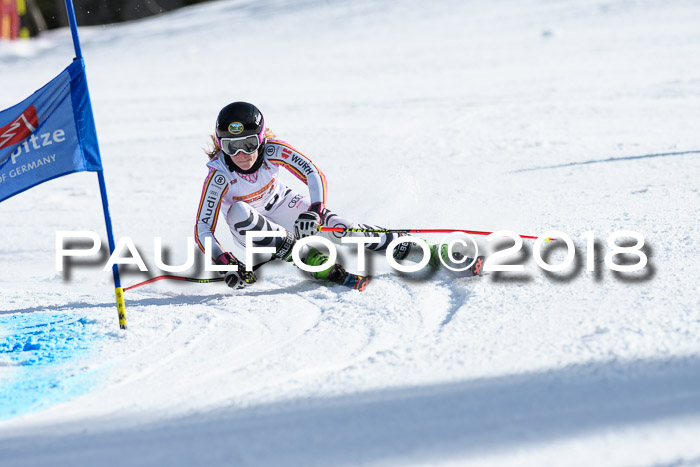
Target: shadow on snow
<point>426,422</point>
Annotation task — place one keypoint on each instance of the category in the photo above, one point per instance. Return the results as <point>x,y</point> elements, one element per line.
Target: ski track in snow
<point>527,116</point>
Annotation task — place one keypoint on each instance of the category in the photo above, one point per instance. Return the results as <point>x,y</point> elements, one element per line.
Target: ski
<point>356,282</point>
<point>477,266</point>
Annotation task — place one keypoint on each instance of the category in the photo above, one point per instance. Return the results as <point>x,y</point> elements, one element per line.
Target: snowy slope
<point>528,116</point>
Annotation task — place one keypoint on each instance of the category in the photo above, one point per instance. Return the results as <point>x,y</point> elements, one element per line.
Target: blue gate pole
<point>119,291</point>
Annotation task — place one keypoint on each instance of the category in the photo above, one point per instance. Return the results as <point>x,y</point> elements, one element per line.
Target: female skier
<point>243,185</point>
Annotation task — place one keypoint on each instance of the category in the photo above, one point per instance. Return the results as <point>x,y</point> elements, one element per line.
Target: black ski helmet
<point>237,120</point>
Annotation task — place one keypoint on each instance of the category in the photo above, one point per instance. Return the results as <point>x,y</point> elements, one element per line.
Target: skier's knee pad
<point>412,252</point>
<point>284,249</point>
<point>408,250</point>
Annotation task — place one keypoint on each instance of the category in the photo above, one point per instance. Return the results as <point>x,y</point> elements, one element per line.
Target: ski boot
<point>415,254</point>
<point>474,269</point>
<point>335,273</point>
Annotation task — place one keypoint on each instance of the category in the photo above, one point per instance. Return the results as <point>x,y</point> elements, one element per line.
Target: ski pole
<point>410,231</point>
<point>177,278</point>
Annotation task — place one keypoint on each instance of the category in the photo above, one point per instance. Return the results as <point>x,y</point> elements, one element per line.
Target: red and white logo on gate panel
<point>20,128</point>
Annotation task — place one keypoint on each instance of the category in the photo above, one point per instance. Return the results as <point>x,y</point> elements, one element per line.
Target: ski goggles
<point>247,144</point>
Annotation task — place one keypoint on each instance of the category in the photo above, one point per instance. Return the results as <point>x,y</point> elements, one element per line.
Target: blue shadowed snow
<point>39,360</point>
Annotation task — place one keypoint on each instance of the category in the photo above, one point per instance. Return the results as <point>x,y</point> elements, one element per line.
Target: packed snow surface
<point>529,116</point>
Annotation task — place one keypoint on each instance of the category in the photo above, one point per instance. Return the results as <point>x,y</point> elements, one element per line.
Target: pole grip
<point>121,309</point>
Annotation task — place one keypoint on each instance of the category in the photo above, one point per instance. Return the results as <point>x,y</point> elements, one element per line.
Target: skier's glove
<point>308,222</point>
<point>240,279</point>
<point>236,278</point>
